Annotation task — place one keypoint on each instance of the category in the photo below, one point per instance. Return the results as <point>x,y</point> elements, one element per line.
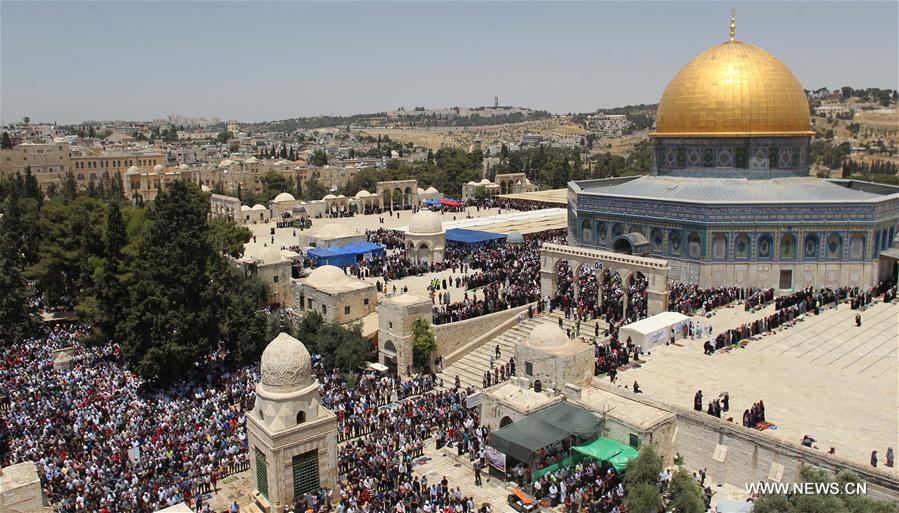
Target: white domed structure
<point>158,168</point>
<point>284,196</point>
<point>205,188</point>
<point>548,355</point>
<point>225,163</point>
<point>245,208</point>
<point>363,194</point>
<point>431,190</point>
<point>425,222</point>
<point>547,336</point>
<point>183,167</point>
<point>515,238</point>
<point>286,364</point>
<point>288,423</point>
<point>257,206</point>
<point>326,275</point>
<point>133,170</point>
<point>425,237</point>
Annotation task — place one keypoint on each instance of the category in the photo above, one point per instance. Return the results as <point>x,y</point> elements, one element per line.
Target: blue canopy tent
<point>432,202</point>
<point>463,236</point>
<point>345,256</point>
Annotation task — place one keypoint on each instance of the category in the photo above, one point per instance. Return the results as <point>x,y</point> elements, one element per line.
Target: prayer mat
<point>761,426</point>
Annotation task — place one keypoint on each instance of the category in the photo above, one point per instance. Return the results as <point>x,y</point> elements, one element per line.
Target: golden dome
<point>733,89</point>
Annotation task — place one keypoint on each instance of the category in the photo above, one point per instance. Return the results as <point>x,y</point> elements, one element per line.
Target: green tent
<point>606,449</point>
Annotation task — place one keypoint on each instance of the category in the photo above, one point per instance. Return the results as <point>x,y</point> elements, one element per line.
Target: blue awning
<point>344,256</point>
<point>464,236</point>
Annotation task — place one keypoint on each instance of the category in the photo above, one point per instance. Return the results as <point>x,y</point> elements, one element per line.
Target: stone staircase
<point>471,367</point>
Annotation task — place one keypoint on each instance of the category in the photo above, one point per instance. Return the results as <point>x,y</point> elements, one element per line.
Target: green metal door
<point>261,474</point>
<point>305,473</point>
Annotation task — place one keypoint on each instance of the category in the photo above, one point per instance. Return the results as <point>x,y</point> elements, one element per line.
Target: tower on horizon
<point>495,100</point>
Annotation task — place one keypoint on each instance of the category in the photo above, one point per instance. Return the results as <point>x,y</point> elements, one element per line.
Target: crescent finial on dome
<point>733,23</point>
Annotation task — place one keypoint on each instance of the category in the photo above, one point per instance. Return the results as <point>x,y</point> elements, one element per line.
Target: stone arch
<point>623,245</point>
<point>565,286</point>
<point>505,421</point>
<point>301,417</point>
<point>617,229</point>
<point>637,284</point>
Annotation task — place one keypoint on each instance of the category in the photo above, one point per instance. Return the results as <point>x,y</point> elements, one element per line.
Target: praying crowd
<point>589,485</point>
<point>377,468</point>
<point>79,425</point>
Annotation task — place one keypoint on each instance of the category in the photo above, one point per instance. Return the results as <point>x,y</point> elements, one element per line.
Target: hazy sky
<point>72,61</point>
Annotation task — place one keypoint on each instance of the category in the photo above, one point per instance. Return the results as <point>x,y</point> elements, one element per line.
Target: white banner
<point>495,458</point>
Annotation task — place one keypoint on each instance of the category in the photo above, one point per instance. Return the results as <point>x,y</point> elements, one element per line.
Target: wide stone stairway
<point>471,367</point>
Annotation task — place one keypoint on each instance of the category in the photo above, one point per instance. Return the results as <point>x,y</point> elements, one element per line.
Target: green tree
<point>319,158</point>
<point>686,494</point>
<point>171,321</point>
<point>242,320</point>
<point>424,343</point>
<point>6,142</point>
<point>228,237</point>
<point>17,315</point>
<point>69,187</point>
<point>223,137</point>
<point>340,348</point>
<point>643,498</point>
<point>645,468</point>
<point>111,292</point>
<point>314,190</point>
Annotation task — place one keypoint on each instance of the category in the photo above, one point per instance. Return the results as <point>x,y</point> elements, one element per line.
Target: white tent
<point>654,330</point>
<point>177,508</point>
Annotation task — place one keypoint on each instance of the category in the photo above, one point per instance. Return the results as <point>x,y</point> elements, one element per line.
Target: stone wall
<point>455,335</point>
<point>361,303</point>
<point>737,455</point>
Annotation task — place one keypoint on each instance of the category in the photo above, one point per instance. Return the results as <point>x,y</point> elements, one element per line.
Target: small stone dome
<point>329,197</point>
<point>286,363</point>
<point>363,194</point>
<point>515,238</point>
<point>205,188</point>
<point>133,170</point>
<point>547,336</point>
<point>421,191</point>
<point>244,208</point>
<point>431,190</point>
<point>251,160</point>
<point>158,167</point>
<point>257,206</point>
<point>183,166</point>
<point>485,182</point>
<point>425,222</point>
<point>225,163</point>
<point>326,275</point>
<point>284,196</point>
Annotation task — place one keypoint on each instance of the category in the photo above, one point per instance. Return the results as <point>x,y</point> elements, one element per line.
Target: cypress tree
<point>17,316</point>
<point>111,293</point>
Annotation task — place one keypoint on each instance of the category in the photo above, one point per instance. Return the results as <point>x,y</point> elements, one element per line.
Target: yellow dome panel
<point>733,89</point>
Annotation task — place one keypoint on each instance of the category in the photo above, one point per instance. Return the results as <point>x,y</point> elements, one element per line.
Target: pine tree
<point>6,142</point>
<point>17,315</point>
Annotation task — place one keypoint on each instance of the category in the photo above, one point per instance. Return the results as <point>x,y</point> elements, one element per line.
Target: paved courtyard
<point>823,377</point>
